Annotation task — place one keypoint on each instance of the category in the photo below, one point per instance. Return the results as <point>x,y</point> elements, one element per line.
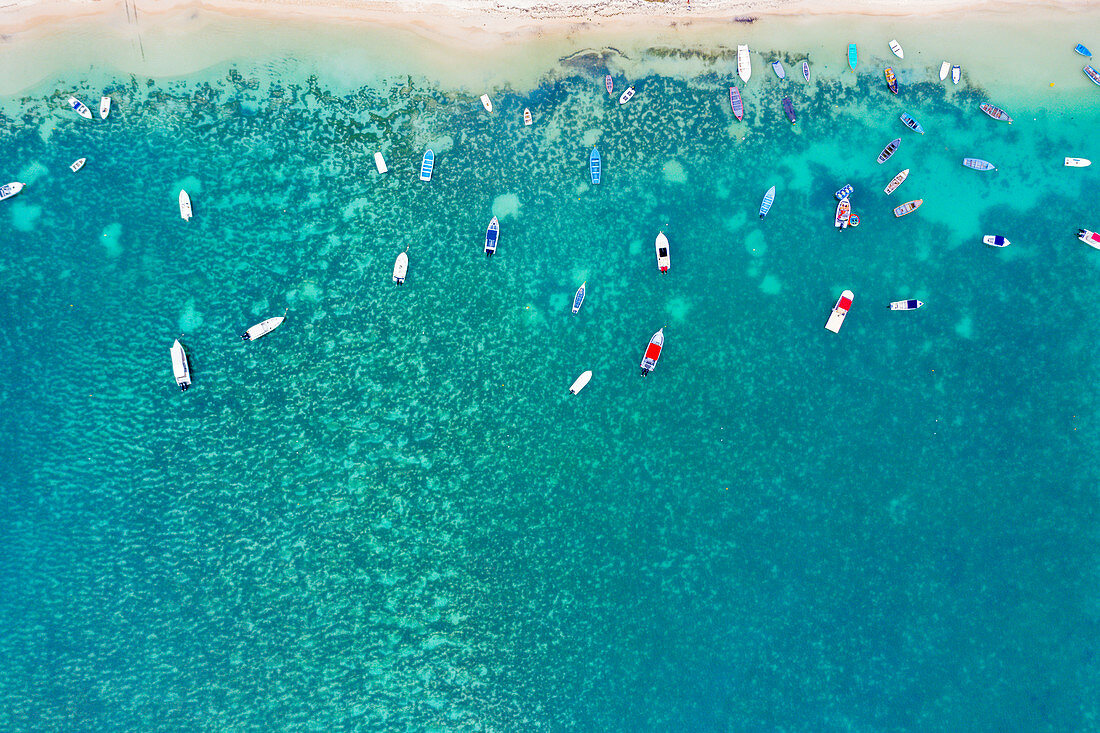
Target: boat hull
<point>10,189</point>
<point>853,56</point>
<point>744,64</point>
<point>995,112</point>
<point>263,328</point>
<point>181,370</point>
<point>777,67</point>
<point>581,382</point>
<point>664,258</point>
<point>895,182</point>
<point>595,167</point>
<point>844,192</point>
<point>891,81</point>
<point>185,206</point>
<point>995,240</point>
<point>1078,162</point>
<point>77,164</point>
<point>806,70</point>
<point>380,163</point>
<point>956,74</point>
<point>653,352</point>
<point>788,108</point>
<point>766,202</point>
<point>1092,74</point>
<point>896,48</point>
<point>427,165</point>
<point>627,95</point>
<point>492,237</point>
<point>945,69</point>
<point>400,268</point>
<point>1090,238</point>
<point>840,311</point>
<point>486,103</point>
<point>978,164</point>
<point>905,305</point>
<point>609,84</point>
<point>104,107</point>
<point>736,104</point>
<point>578,299</point>
<point>889,150</point>
<point>528,120</point>
<point>911,124</point>
<point>908,208</point>
<point>843,214</point>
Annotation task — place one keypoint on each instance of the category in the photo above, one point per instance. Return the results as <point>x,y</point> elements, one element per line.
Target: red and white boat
<point>843,213</point>
<point>663,259</point>
<point>840,310</point>
<point>653,352</point>
<point>1092,239</point>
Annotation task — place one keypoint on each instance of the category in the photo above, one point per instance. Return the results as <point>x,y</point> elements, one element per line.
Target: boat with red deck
<point>840,311</point>
<point>653,352</point>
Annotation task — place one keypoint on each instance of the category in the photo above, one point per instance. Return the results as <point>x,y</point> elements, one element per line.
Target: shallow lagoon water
<point>390,514</point>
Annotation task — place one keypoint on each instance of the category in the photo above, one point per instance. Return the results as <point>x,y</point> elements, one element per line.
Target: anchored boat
<point>995,240</point>
<point>10,189</point>
<point>185,206</point>
<point>945,67</point>
<point>77,164</point>
<point>492,235</point>
<point>889,150</point>
<point>401,267</point>
<point>853,56</point>
<point>1093,76</point>
<point>806,70</point>
<point>263,328</point>
<point>426,165</point>
<point>1078,162</point>
<point>380,162</point>
<point>581,381</point>
<point>594,166</point>
<point>777,67</point>
<point>736,104</point>
<point>180,368</point>
<point>104,107</point>
<point>905,305</point>
<point>956,73</point>
<point>1092,239</point>
<point>80,108</point>
<point>578,299</point>
<point>1080,48</point>
<point>891,80</point>
<point>978,164</point>
<point>788,107</point>
<point>663,258</point>
<point>995,112</point>
<point>908,208</point>
<point>627,95</point>
<point>609,83</point>
<point>895,182</point>
<point>744,63</point>
<point>911,123</point>
<point>528,120</point>
<point>896,48</point>
<point>843,214</point>
<point>766,203</point>
<point>653,352</point>
<point>840,311</point>
<point>486,103</point>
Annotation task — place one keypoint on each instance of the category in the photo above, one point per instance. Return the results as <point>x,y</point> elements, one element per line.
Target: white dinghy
<point>486,103</point>
<point>104,107</point>
<point>180,367</point>
<point>77,164</point>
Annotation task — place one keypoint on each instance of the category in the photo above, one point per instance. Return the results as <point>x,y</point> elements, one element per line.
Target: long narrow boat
<point>185,206</point>
<point>889,150</point>
<point>843,214</point>
<point>788,108</point>
<point>945,68</point>
<point>978,164</point>
<point>653,352</point>
<point>609,84</point>
<point>104,107</point>
<point>853,56</point>
<point>180,368</point>
<point>777,67</point>
<point>911,123</point>
<point>766,203</point>
<point>77,164</point>
<point>10,189</point>
<point>528,120</point>
<point>995,240</point>
<point>840,311</point>
<point>263,328</point>
<point>956,73</point>
<point>80,108</point>
<point>908,208</point>
<point>380,162</point>
<point>1092,74</point>
<point>627,95</point>
<point>581,382</point>
<point>1078,162</point>
<point>578,299</point>
<point>426,165</point>
<point>486,103</point>
<point>744,63</point>
<point>1092,239</point>
<point>844,192</point>
<point>806,70</point>
<point>736,104</point>
<point>1080,48</point>
<point>905,305</point>
<point>995,112</point>
<point>595,167</point>
<point>896,48</point>
<point>664,260</point>
<point>492,236</point>
<point>895,182</point>
<point>401,267</point>
<point>891,80</point>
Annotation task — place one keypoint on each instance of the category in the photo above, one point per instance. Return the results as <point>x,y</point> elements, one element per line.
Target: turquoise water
<point>390,514</point>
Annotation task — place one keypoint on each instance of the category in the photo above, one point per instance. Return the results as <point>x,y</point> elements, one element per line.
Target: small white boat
<point>104,107</point>
<point>995,240</point>
<point>896,48</point>
<point>627,95</point>
<point>578,299</point>
<point>185,206</point>
<point>1092,239</point>
<point>400,267</point>
<point>744,63</point>
<point>1078,162</point>
<point>492,236</point>
<point>380,162</point>
<point>180,367</point>
<point>663,258</point>
<point>263,328</point>
<point>956,73</point>
<point>653,352</point>
<point>895,182</point>
<point>527,119</point>
<point>10,189</point>
<point>840,311</point>
<point>945,68</point>
<point>80,108</point>
<point>77,164</point>
<point>486,103</point>
<point>582,380</point>
<point>905,305</point>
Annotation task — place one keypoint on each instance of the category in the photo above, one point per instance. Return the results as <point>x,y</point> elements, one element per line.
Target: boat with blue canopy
<point>578,299</point>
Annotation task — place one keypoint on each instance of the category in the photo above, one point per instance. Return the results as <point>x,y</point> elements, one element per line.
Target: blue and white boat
<point>906,305</point>
<point>80,108</point>
<point>844,192</point>
<point>426,165</point>
<point>1080,48</point>
<point>766,204</point>
<point>853,57</point>
<point>911,123</point>
<point>492,234</point>
<point>10,189</point>
<point>995,240</point>
<point>777,67</point>
<point>806,70</point>
<point>594,166</point>
<point>1092,74</point>
<point>978,164</point>
<point>578,299</point>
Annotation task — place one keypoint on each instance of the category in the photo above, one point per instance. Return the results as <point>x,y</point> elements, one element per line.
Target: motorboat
<point>492,236</point>
<point>995,240</point>
<point>663,258</point>
<point>180,368</point>
<point>840,311</point>
<point>401,267</point>
<point>263,328</point>
<point>578,299</point>
<point>185,206</point>
<point>581,382</point>
<point>653,352</point>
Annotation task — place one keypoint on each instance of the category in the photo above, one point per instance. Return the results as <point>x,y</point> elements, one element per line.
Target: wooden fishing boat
<point>77,164</point>
<point>581,382</point>
<point>401,267</point>
<point>80,108</point>
<point>956,73</point>
<point>627,95</point>
<point>843,214</point>
<point>492,236</point>
<point>185,206</point>
<point>663,257</point>
<point>853,56</point>
<point>995,112</point>
<point>896,48</point>
<point>788,107</point>
<point>181,370</point>
<point>528,120</point>
<point>891,80</point>
<point>594,166</point>
<point>945,68</point>
<point>766,203</point>
<point>104,107</point>
<point>744,63</point>
<point>908,208</point>
<point>1080,48</point>
<point>10,189</point>
<point>653,352</point>
<point>1092,74</point>
<point>806,70</point>
<point>840,311</point>
<point>427,165</point>
<point>777,67</point>
<point>263,328</point>
<point>895,182</point>
<point>911,123</point>
<point>905,305</point>
<point>486,103</point>
<point>380,162</point>
<point>978,164</point>
<point>1092,239</point>
<point>1078,162</point>
<point>609,84</point>
<point>889,150</point>
<point>578,299</point>
<point>844,192</point>
<point>995,240</point>
<point>736,104</point>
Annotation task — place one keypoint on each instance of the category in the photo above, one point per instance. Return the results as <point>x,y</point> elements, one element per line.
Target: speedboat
<point>840,311</point>
<point>380,162</point>
<point>956,73</point>
<point>905,305</point>
<point>609,83</point>
<point>263,328</point>
<point>627,95</point>
<point>427,165</point>
<point>895,182</point>
<point>401,267</point>
<point>896,48</point>
<point>492,235</point>
<point>1092,239</point>
<point>978,164</point>
<point>653,352</point>
<point>1078,162</point>
<point>889,150</point>
<point>80,108</point>
<point>744,63</point>
<point>911,123</point>
<point>908,208</point>
<point>486,103</point>
<point>595,167</point>
<point>104,107</point>
<point>736,104</point>
<point>663,258</point>
<point>528,120</point>
<point>77,164</point>
<point>581,382</point>
<point>10,189</point>
<point>766,203</point>
<point>891,80</point>
<point>945,67</point>
<point>995,112</point>
<point>777,67</point>
<point>843,214</point>
<point>185,206</point>
<point>180,367</point>
<point>578,299</point>
<point>995,240</point>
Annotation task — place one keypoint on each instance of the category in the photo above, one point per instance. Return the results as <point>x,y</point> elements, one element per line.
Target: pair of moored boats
<point>625,97</point>
<point>844,304</point>
<point>181,367</point>
<point>955,71</point>
<point>81,109</point>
